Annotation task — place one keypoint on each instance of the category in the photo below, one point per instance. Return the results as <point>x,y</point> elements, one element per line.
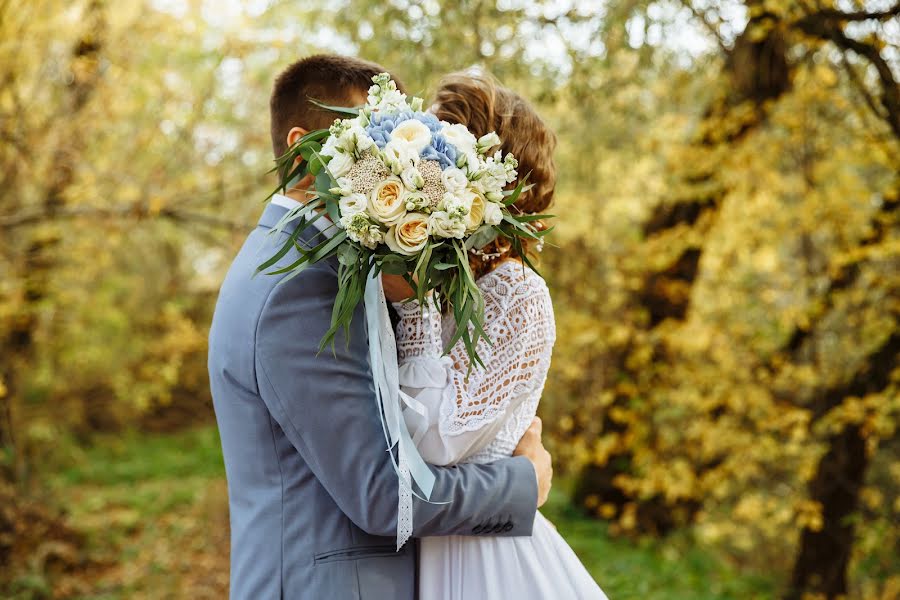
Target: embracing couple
<point>313,494</point>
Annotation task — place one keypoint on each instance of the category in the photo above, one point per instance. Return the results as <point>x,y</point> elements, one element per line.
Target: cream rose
<point>413,132</point>
<point>386,201</point>
<point>409,235</point>
<point>476,213</point>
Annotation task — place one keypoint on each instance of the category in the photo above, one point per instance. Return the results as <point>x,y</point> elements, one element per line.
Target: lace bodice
<point>482,418</point>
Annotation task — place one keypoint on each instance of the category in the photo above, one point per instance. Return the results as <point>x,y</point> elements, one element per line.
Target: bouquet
<point>409,195</point>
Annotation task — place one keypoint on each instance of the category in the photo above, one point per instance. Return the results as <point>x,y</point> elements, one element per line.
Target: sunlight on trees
<point>726,268</point>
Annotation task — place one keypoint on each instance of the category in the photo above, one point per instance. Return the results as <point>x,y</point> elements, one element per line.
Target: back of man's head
<point>328,78</point>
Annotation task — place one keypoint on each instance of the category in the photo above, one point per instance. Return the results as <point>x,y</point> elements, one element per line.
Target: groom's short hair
<point>328,78</point>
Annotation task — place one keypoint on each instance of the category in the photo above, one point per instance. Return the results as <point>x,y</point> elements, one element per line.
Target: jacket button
<point>507,527</point>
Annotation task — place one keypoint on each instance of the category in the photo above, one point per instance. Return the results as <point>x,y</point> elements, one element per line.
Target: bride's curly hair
<point>478,101</point>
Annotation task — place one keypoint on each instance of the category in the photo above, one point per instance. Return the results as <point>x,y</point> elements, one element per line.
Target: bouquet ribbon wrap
<point>391,402</point>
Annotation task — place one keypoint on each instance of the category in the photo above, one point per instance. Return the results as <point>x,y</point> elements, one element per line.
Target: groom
<point>311,488</point>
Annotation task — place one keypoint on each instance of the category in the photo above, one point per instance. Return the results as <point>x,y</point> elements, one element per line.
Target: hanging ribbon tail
<point>409,465</point>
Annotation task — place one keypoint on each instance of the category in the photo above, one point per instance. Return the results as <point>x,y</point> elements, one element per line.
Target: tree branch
<point>838,15</point>
<point>820,26</point>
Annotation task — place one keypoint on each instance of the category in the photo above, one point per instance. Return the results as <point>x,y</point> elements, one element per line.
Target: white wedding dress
<point>481,419</point>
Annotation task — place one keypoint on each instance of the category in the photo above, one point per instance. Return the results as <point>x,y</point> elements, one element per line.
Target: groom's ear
<point>295,134</point>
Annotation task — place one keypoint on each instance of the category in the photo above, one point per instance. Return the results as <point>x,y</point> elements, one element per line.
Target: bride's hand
<point>531,447</point>
<point>396,288</point>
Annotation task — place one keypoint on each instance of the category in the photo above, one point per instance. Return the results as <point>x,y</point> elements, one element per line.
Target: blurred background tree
<point>725,270</point>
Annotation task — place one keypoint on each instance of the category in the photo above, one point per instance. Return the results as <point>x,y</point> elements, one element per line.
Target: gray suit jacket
<point>311,488</point>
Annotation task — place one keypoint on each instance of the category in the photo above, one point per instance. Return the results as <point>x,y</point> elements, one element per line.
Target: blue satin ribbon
<point>390,399</point>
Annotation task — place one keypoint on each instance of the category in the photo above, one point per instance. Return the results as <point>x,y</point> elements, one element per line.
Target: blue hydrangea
<point>381,125</point>
<point>440,150</point>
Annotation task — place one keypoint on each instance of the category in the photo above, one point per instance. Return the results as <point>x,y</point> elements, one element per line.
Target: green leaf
<point>442,266</point>
<point>344,110</point>
<point>483,236</point>
<point>394,265</point>
<point>348,255</point>
<point>281,253</point>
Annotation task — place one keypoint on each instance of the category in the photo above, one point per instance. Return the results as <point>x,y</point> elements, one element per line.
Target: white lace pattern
<point>480,418</point>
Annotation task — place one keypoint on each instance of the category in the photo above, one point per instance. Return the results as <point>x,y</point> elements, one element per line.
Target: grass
<point>154,509</point>
<point>650,569</point>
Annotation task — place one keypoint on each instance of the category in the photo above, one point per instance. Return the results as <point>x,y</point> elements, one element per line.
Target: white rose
<point>350,205</point>
<point>454,180</point>
<point>399,156</point>
<point>340,164</point>
<point>386,201</point>
<point>413,132</point>
<point>445,226</point>
<point>460,137</point>
<point>476,213</point>
<point>412,178</point>
<point>493,214</point>
<point>409,235</point>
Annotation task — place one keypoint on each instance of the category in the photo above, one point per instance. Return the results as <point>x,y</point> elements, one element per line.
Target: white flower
<point>454,180</point>
<point>371,237</point>
<point>330,146</point>
<point>359,139</point>
<point>343,187</point>
<point>495,196</point>
<point>416,200</point>
<point>399,156</point>
<point>413,132</point>
<point>386,201</point>
<point>493,214</point>
<point>340,164</point>
<point>456,205</point>
<point>391,101</point>
<point>488,141</point>
<point>476,213</point>
<point>361,229</point>
<point>409,235</point>
<point>444,226</point>
<point>416,104</point>
<point>412,178</point>
<point>460,137</point>
<point>352,204</point>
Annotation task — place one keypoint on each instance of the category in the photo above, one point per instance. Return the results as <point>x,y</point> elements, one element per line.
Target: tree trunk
<point>821,565</point>
<point>824,555</point>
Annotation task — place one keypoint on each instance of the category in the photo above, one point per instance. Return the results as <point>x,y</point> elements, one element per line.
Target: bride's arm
<point>463,414</point>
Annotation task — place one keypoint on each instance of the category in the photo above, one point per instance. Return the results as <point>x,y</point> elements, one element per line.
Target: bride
<point>480,418</point>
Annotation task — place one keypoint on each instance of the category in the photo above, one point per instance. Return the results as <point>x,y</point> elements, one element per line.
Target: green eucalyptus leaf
<point>483,236</point>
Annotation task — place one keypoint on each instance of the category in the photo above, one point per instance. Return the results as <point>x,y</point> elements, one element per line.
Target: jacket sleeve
<point>325,404</point>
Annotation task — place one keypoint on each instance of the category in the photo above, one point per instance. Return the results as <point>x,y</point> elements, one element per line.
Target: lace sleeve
<point>464,412</point>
